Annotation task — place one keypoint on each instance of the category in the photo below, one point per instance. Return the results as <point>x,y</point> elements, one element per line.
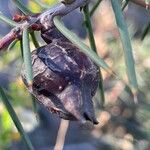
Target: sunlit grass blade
<point>78,42</point>
<point>7,20</point>
<point>27,55</point>
<point>126,43</point>
<point>34,40</point>
<point>22,7</point>
<point>95,7</point>
<point>93,47</point>
<point>15,119</point>
<point>146,31</point>
<point>41,4</point>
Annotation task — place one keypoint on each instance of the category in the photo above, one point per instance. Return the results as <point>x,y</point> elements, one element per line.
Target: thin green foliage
<point>12,44</point>
<point>93,47</point>
<point>146,31</point>
<point>36,44</point>
<point>126,43</point>
<point>41,4</point>
<point>95,7</point>
<point>34,40</point>
<point>21,47</point>
<point>15,119</point>
<point>89,28</point>
<point>78,42</point>
<point>27,55</point>
<point>7,20</point>
<point>22,7</point>
<point>34,104</point>
<point>25,46</point>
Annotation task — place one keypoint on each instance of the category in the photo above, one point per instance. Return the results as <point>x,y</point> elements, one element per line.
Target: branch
<point>40,21</point>
<point>8,39</point>
<point>62,9</point>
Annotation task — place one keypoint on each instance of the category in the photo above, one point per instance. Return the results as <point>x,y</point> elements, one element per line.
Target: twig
<point>64,124</point>
<point>45,19</point>
<point>83,47</point>
<point>27,56</point>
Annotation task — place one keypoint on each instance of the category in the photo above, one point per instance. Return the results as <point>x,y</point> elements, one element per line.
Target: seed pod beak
<point>88,107</point>
<point>78,103</point>
<point>71,99</point>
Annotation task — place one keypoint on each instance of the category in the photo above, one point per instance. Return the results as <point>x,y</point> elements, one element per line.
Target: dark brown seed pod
<point>66,2</point>
<point>64,79</point>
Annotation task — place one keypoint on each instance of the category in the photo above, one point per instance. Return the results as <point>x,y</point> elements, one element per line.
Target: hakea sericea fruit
<point>64,79</point>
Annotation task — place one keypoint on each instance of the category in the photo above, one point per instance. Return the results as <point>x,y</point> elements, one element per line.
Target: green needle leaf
<point>27,55</point>
<point>41,4</point>
<point>126,43</point>
<point>95,7</point>
<point>27,60</point>
<point>146,31</point>
<point>15,119</point>
<point>78,42</point>
<point>93,47</point>
<point>7,20</point>
<point>22,7</point>
<point>35,42</point>
<point>12,44</point>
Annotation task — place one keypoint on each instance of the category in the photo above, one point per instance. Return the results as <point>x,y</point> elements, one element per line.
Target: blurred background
<point>123,125</point>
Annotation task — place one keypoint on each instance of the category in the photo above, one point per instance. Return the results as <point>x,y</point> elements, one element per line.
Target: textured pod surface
<point>64,79</point>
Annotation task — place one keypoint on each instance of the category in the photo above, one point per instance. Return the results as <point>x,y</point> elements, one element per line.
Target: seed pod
<point>64,79</point>
<point>66,2</point>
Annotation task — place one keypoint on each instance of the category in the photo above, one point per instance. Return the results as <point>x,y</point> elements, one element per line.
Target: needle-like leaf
<point>41,4</point>
<point>15,119</point>
<point>7,20</point>
<point>95,7</point>
<point>34,40</point>
<point>126,43</point>
<point>22,7</point>
<point>36,44</point>
<point>93,47</point>
<point>27,55</point>
<point>12,44</point>
<point>78,42</point>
